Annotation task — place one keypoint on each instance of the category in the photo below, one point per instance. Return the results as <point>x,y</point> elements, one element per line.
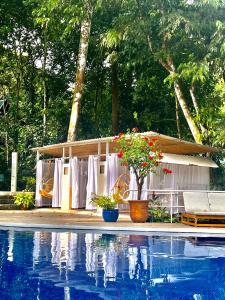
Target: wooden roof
<point>166,144</point>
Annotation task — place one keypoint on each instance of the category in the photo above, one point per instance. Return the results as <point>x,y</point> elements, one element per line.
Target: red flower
<point>154,139</point>
<point>145,138</point>
<point>144,164</point>
<point>150,144</point>
<point>160,156</point>
<point>120,154</point>
<point>150,157</point>
<point>167,171</point>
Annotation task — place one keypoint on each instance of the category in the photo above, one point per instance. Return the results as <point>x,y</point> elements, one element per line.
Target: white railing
<point>172,193</point>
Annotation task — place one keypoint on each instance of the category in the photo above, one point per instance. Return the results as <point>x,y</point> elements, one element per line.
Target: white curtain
<point>92,184</point>
<point>78,172</point>
<point>39,175</point>
<point>144,194</point>
<point>112,169</point>
<point>194,178</point>
<point>74,181</point>
<point>83,177</point>
<point>57,186</point>
<point>169,181</point>
<point>183,177</point>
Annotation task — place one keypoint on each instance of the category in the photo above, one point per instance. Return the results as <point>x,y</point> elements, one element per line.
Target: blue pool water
<point>82,266</point>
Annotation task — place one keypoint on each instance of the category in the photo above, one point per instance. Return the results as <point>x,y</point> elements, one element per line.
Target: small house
<point>68,174</point>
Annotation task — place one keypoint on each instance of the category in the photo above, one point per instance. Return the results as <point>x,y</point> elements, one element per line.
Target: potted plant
<point>24,199</point>
<point>142,154</point>
<point>109,213</point>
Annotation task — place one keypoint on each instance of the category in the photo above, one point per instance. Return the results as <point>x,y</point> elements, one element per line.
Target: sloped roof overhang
<point>84,148</point>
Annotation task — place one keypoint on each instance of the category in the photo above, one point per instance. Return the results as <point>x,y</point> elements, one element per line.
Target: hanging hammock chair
<point>46,189</point>
<point>120,191</point>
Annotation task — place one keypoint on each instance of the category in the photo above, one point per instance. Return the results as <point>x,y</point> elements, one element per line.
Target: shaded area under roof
<point>166,144</point>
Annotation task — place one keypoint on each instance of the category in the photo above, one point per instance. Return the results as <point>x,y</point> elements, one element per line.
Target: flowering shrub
<point>141,153</point>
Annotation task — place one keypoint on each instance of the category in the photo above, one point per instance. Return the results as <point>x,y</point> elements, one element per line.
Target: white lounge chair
<point>203,206</point>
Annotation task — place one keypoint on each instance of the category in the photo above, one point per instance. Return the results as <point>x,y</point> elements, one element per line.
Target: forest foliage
<point>155,65</point>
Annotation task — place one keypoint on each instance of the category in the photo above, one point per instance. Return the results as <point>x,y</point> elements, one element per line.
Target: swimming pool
<point>79,265</point>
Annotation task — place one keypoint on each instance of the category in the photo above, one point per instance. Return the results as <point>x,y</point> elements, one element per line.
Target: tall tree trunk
<point>169,66</point>
<point>115,97</point>
<point>18,85</point>
<point>178,119</point>
<point>191,123</point>
<point>194,100</point>
<point>7,148</point>
<point>140,182</point>
<point>80,76</point>
<point>44,93</point>
<point>195,103</point>
<point>44,110</point>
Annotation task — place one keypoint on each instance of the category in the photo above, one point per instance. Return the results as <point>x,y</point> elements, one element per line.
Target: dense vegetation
<point>156,65</point>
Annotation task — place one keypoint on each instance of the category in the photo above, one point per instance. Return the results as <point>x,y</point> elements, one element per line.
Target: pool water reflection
<point>77,265</point>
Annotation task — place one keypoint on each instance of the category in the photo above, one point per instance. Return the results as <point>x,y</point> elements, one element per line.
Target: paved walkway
<point>88,220</point>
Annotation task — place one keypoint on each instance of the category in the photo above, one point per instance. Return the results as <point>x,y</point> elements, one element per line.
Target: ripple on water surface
<point>78,265</point>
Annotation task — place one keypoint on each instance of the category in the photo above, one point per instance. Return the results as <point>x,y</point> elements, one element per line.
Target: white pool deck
<point>89,220</point>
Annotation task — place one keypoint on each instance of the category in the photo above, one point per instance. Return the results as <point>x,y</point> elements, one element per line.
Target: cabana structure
<point>74,171</point>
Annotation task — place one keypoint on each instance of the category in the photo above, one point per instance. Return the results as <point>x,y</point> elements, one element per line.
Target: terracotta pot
<point>139,210</point>
<point>24,207</point>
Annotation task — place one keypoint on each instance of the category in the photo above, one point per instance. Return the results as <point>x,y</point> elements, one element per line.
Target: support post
<point>38,156</point>
<point>171,208</point>
<point>107,149</point>
<point>14,171</point>
<point>99,149</point>
<point>70,152</point>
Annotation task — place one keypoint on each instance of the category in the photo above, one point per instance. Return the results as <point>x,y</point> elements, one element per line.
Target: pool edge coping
<point>144,230</point>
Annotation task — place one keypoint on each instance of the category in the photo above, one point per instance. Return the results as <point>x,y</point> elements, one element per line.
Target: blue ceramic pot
<point>110,215</point>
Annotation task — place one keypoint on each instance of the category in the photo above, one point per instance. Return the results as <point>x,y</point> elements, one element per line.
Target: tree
<point>81,67</point>
<point>177,40</point>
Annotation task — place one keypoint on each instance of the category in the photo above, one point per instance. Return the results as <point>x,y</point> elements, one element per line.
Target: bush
<point>30,183</point>
<point>158,213</point>
<point>24,200</point>
<point>104,202</point>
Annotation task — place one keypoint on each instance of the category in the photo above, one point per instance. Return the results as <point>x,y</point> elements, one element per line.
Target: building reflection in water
<point>113,267</point>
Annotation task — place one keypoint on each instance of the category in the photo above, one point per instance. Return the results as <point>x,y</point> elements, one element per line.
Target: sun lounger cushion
<point>217,202</point>
<point>207,213</point>
<point>196,201</point>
